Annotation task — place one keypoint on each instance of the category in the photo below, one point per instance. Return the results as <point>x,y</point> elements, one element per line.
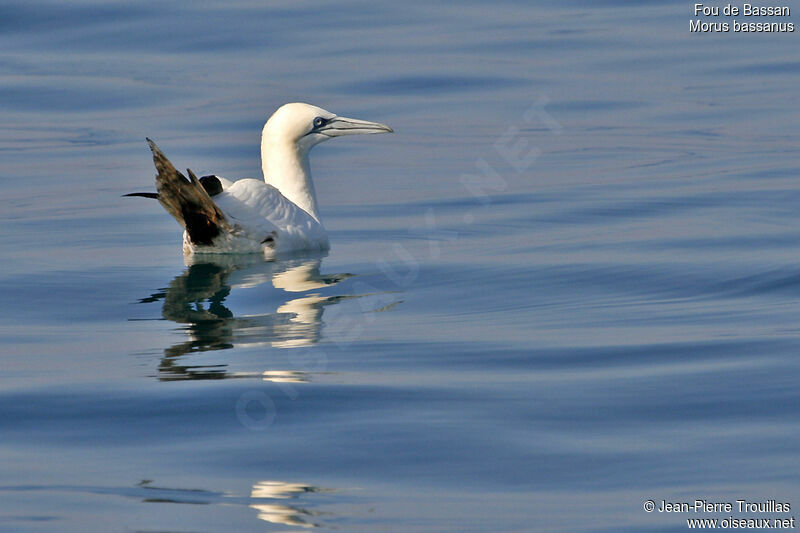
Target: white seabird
<point>278,214</point>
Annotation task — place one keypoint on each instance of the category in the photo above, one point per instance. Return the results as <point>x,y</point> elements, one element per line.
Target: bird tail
<point>153,195</point>
<point>187,201</point>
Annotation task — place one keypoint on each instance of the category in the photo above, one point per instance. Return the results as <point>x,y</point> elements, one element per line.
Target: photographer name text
<point>740,506</point>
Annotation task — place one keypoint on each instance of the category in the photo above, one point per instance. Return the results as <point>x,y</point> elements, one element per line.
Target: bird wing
<point>187,201</point>
<point>261,210</point>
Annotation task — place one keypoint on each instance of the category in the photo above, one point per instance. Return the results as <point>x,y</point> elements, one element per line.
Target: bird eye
<point>319,122</point>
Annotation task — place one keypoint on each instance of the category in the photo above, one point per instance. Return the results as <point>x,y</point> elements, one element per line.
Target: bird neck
<point>285,167</point>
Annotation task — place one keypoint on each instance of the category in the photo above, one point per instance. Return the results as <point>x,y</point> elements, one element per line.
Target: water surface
<point>567,284</point>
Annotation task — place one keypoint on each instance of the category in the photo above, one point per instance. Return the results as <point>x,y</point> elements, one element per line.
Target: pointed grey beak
<point>351,126</point>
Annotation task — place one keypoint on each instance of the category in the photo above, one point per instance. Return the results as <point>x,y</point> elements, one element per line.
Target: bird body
<point>260,212</point>
<point>279,214</point>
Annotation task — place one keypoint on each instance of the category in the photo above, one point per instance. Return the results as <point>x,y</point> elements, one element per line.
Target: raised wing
<point>187,201</point>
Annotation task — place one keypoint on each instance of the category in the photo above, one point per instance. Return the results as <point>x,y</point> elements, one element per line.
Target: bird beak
<point>351,126</point>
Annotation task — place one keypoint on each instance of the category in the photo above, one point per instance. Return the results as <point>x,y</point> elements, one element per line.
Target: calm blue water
<point>567,284</point>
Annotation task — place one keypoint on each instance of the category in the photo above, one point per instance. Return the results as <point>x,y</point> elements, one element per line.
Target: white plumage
<point>258,210</point>
<point>276,215</point>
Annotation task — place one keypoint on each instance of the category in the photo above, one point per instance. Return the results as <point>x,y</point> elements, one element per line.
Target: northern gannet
<point>278,214</point>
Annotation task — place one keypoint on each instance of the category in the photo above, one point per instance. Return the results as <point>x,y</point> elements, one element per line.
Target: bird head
<point>306,125</point>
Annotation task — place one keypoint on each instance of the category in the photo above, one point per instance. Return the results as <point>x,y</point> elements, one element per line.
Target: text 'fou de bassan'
<point>739,26</point>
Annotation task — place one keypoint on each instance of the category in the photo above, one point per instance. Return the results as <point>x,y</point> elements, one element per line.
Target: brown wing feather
<point>187,201</point>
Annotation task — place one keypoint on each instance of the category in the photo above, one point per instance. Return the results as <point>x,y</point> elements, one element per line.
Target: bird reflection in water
<point>197,298</point>
<point>277,502</point>
<point>290,515</point>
